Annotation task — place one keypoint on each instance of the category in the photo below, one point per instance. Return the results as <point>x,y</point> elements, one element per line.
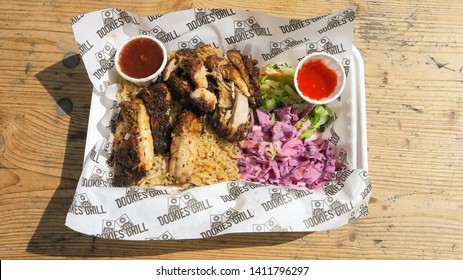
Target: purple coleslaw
<point>278,151</point>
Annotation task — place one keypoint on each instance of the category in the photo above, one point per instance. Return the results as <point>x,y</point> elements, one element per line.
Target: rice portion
<point>216,158</point>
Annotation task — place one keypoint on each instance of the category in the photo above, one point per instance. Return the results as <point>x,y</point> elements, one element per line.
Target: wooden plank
<point>413,74</point>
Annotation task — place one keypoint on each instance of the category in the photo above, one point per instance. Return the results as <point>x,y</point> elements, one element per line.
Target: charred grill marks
<point>203,82</point>
<point>133,154</point>
<point>157,100</point>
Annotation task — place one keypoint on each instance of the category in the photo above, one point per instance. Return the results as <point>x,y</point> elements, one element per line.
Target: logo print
<point>194,43</point>
<point>123,14</point>
<point>365,178</point>
<point>108,226</point>
<point>230,214</point>
<point>321,45</point>
<point>109,16</point>
<point>157,32</point>
<point>200,13</point>
<point>241,26</point>
<point>105,55</point>
<point>295,22</point>
<point>334,139</point>
<point>271,225</point>
<point>175,203</point>
<point>346,65</point>
<point>362,211</point>
<point>131,191</point>
<point>343,156</point>
<point>164,236</point>
<point>106,149</point>
<point>335,20</point>
<point>124,222</point>
<point>83,200</point>
<point>233,188</point>
<point>99,178</point>
<point>341,175</point>
<point>278,47</point>
<point>120,228</point>
<point>216,221</point>
<point>320,206</point>
<point>275,193</point>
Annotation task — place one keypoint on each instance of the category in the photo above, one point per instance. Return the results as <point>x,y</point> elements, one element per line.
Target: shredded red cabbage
<point>273,153</point>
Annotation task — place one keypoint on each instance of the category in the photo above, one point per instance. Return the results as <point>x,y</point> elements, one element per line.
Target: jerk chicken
<point>157,100</point>
<point>182,149</point>
<point>194,71</point>
<point>168,116</point>
<point>133,152</point>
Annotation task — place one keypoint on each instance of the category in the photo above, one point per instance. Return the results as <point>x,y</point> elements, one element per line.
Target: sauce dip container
<point>141,59</point>
<point>319,78</point>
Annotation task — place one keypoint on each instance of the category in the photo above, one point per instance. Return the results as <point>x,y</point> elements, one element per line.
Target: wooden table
<point>413,52</point>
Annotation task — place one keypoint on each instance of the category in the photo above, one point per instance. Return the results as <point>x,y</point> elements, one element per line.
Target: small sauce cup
<point>319,78</point>
<point>141,59</point>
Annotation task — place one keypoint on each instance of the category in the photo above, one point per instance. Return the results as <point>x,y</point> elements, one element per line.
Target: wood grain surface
<point>413,53</point>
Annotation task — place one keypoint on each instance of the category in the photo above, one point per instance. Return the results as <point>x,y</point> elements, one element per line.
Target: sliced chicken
<point>229,72</point>
<point>235,58</point>
<point>239,118</point>
<point>133,153</point>
<point>157,100</point>
<point>183,150</point>
<point>179,86</point>
<point>253,72</point>
<point>247,69</point>
<point>203,99</point>
<point>171,67</point>
<point>193,67</point>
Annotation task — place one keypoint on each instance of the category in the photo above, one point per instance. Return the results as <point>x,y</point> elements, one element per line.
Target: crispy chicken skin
<point>133,153</point>
<point>186,77</point>
<point>182,149</point>
<point>179,86</point>
<point>157,100</point>
<point>203,99</point>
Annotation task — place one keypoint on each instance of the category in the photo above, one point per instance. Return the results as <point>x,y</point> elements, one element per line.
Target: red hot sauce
<point>140,58</point>
<point>316,80</point>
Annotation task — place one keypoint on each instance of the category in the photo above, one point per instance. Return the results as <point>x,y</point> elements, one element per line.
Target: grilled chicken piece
<point>195,70</point>
<point>239,118</point>
<point>235,58</point>
<point>171,67</point>
<point>193,66</point>
<point>254,72</point>
<point>183,150</point>
<point>231,114</point>
<point>247,69</point>
<point>179,86</point>
<point>229,72</point>
<point>213,64</point>
<point>133,153</point>
<point>157,100</point>
<point>203,99</point>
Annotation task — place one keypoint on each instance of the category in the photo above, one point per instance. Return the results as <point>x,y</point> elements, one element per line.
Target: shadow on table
<point>71,89</point>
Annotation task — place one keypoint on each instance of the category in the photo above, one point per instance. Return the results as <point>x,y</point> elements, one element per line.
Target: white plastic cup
<point>146,80</point>
<point>332,63</point>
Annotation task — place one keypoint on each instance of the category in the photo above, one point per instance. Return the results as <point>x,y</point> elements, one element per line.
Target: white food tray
<point>357,92</point>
